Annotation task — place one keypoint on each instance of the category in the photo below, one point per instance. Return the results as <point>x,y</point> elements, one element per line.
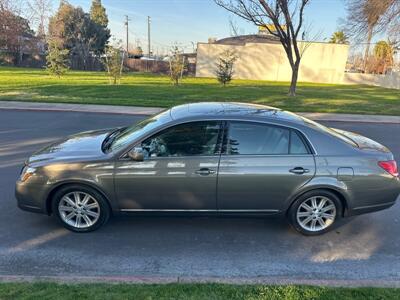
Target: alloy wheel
<point>79,209</point>
<point>316,213</point>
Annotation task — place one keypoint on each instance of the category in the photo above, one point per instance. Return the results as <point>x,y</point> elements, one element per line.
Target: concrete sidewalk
<point>136,110</point>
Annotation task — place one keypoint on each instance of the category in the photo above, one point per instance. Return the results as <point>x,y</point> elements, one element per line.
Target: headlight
<point>26,173</point>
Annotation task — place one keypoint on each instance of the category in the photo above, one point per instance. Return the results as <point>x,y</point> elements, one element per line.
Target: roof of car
<point>232,109</point>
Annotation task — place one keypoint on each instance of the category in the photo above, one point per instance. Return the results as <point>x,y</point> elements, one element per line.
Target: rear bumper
<point>373,195</point>
<point>370,208</point>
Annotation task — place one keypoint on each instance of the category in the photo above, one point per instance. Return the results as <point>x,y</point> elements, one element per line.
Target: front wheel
<point>80,208</point>
<point>315,212</point>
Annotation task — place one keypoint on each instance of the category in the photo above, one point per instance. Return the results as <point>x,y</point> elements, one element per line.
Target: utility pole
<point>127,33</point>
<point>148,35</point>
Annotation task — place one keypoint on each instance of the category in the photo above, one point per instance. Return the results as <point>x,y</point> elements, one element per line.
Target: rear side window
<point>245,138</point>
<point>257,139</point>
<point>297,145</point>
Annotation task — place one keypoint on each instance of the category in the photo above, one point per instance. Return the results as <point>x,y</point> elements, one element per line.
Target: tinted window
<point>252,138</point>
<point>197,138</point>
<point>297,145</point>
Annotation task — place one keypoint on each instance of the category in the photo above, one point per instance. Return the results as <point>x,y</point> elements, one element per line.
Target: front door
<point>179,172</point>
<point>263,165</point>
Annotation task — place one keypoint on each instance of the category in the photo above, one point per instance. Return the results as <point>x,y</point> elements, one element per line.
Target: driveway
<point>362,248</point>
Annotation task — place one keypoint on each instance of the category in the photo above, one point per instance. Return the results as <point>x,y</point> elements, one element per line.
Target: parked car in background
<point>211,159</point>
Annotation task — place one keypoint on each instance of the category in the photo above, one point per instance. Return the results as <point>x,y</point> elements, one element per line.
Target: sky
<point>186,22</point>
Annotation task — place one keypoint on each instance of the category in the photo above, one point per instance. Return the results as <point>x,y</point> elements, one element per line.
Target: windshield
<point>131,133</point>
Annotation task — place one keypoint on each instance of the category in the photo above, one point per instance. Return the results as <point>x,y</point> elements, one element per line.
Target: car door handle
<point>299,170</point>
<point>204,171</point>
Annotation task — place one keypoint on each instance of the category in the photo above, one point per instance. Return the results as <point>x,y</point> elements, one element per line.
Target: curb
<point>89,108</point>
<point>144,111</point>
<point>200,280</point>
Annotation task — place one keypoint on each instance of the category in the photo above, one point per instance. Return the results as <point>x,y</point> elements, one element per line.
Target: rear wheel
<point>315,212</point>
<point>80,208</point>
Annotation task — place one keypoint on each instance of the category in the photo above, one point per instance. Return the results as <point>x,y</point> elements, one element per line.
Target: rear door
<point>261,167</point>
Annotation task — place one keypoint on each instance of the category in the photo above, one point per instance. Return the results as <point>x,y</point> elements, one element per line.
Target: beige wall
<point>389,81</point>
<point>321,62</point>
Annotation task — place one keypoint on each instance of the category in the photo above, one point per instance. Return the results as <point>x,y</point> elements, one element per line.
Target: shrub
<point>224,70</point>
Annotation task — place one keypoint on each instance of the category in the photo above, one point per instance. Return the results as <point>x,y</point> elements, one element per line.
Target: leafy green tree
<point>57,59</point>
<point>224,70</point>
<point>383,50</point>
<point>102,34</point>
<point>383,53</point>
<point>73,29</point>
<point>339,37</point>
<point>98,13</point>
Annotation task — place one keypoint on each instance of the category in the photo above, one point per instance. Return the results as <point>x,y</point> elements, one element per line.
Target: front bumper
<point>30,197</point>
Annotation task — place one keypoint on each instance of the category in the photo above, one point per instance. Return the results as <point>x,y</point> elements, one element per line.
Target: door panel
<point>167,183</point>
<point>179,171</point>
<point>263,165</point>
<point>260,182</point>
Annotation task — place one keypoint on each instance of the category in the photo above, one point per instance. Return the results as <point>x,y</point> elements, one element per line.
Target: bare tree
<point>41,11</point>
<point>176,65</point>
<point>234,28</point>
<point>286,16</point>
<point>390,20</point>
<point>13,28</point>
<point>368,17</point>
<point>14,6</point>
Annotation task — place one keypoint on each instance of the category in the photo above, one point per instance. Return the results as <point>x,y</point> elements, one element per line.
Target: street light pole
<point>127,33</point>
<point>148,35</point>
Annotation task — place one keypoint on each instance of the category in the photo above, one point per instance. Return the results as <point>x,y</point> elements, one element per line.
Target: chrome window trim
<point>305,137</point>
<point>314,151</point>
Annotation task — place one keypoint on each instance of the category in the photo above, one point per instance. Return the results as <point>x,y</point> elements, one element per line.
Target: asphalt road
<point>364,247</point>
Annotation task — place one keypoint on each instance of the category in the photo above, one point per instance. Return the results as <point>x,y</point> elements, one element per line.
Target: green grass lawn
<point>188,291</point>
<point>151,90</point>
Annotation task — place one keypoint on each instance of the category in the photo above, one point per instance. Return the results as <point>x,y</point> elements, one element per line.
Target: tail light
<point>389,166</point>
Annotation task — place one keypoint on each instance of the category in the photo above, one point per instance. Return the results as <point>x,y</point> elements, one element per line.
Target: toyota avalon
<point>211,159</point>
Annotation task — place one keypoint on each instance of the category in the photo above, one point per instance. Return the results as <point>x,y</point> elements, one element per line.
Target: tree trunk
<point>366,54</point>
<point>293,83</point>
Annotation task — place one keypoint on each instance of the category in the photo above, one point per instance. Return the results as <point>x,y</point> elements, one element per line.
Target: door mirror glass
<point>136,154</point>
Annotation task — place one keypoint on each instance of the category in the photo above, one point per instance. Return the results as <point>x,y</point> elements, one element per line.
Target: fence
<point>155,66</point>
<point>92,64</point>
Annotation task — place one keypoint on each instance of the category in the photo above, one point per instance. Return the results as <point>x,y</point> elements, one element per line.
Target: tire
<point>306,212</point>
<point>90,214</point>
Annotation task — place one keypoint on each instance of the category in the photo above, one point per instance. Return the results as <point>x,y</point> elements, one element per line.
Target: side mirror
<point>136,154</point>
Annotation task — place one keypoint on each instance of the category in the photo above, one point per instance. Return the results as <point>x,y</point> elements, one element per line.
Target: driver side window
<point>189,139</point>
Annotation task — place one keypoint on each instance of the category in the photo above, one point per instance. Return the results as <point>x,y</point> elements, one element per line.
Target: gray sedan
<point>211,159</point>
